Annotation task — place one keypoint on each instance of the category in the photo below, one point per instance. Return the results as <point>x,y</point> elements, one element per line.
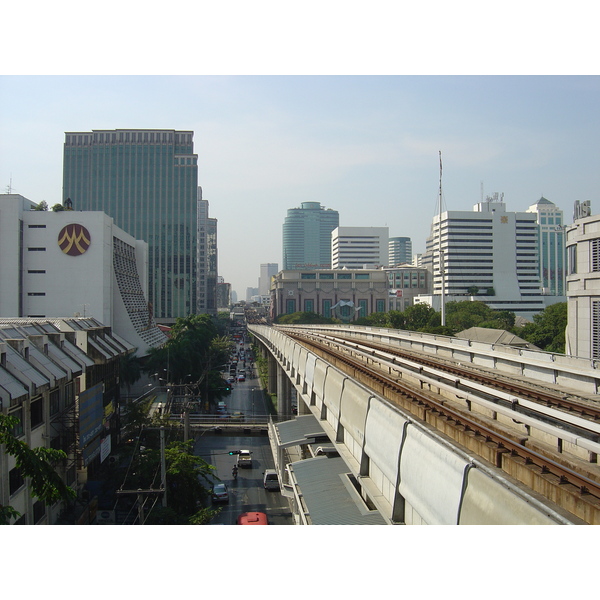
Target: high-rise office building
<point>359,247</point>
<point>207,259</point>
<point>400,251</point>
<point>307,236</point>
<point>553,254</point>
<point>147,181</point>
<point>489,254</point>
<point>267,271</point>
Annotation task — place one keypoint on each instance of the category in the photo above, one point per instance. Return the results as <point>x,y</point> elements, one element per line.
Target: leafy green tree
<point>194,349</point>
<point>58,208</point>
<point>43,205</point>
<point>305,318</point>
<point>37,464</point>
<point>418,316</point>
<point>548,328</point>
<point>189,479</point>
<point>130,370</point>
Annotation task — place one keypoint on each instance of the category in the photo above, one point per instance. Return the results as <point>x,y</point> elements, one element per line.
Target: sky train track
<point>447,393</point>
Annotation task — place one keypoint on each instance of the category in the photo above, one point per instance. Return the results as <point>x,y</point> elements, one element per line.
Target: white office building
<point>583,284</point>
<point>267,272</point>
<point>490,255</point>
<point>74,263</point>
<point>359,247</point>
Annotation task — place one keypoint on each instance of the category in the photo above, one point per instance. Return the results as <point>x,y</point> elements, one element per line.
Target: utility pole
<point>441,254</point>
<point>163,467</point>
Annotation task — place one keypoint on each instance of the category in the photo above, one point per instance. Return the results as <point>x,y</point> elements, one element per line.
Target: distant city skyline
<point>365,146</point>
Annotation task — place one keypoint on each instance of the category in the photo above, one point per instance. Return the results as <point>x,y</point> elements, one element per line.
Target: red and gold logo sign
<point>74,239</point>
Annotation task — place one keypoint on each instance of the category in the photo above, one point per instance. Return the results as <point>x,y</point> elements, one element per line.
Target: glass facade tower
<point>147,181</point>
<point>552,246</point>
<point>307,236</point>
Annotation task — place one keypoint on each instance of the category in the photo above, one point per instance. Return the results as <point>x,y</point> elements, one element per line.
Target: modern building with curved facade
<point>74,264</point>
<point>307,236</point>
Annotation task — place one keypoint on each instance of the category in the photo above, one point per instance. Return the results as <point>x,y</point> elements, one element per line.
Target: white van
<point>271,480</point>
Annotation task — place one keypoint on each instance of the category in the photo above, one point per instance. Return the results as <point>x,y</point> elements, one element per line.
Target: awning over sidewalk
<point>329,494</point>
<point>326,485</point>
<point>303,429</point>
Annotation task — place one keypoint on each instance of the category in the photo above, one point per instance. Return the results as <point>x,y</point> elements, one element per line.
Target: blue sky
<point>366,146</point>
<point>350,109</point>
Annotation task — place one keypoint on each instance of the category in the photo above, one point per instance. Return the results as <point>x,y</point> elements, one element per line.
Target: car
<point>241,378</point>
<point>252,518</point>
<point>244,459</point>
<point>231,380</point>
<point>271,480</point>
<point>220,493</point>
<point>239,415</point>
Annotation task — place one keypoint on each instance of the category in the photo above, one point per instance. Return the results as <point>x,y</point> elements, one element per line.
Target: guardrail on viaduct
<point>412,474</point>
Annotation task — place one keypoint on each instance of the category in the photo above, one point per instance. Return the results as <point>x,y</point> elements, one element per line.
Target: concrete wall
<point>413,474</point>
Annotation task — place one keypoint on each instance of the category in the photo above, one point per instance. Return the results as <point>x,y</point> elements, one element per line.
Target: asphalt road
<point>247,493</point>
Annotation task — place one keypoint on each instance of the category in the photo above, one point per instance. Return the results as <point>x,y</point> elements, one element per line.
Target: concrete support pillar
<point>272,375</point>
<point>284,394</point>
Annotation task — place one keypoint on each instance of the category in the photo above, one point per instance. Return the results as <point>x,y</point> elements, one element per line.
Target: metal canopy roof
<point>301,430</point>
<point>329,494</point>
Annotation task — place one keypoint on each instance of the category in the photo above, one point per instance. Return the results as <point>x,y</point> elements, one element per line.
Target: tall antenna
<point>441,254</point>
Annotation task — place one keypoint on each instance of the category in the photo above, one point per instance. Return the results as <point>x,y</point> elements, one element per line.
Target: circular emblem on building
<point>74,239</point>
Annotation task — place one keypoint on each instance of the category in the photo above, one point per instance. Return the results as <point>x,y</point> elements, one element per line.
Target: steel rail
<point>530,457</point>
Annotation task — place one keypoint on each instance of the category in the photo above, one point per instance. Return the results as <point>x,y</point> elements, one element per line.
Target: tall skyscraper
<point>489,254</point>
<point>147,180</point>
<point>267,270</point>
<point>359,247</point>
<point>553,255</point>
<point>207,259</point>
<point>307,236</point>
<point>400,251</point>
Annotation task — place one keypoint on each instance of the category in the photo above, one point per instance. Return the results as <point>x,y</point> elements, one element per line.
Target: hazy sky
<point>366,146</point>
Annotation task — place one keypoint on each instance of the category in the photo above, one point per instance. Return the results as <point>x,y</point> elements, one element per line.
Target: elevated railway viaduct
<point>421,465</point>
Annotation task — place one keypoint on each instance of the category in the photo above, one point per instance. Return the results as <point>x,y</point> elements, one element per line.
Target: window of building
<point>380,306</point>
<point>39,511</point>
<point>344,275</point>
<point>595,329</point>
<point>18,428</point>
<point>31,226</point>
<point>595,255</point>
<point>325,275</point>
<point>54,401</point>
<point>327,308</point>
<point>362,276</point>
<point>363,308</point>
<point>36,412</point>
<point>309,306</point>
<point>308,276</point>
<point>290,306</point>
<point>36,293</point>
<point>15,481</point>
<point>36,270</point>
<point>36,249</point>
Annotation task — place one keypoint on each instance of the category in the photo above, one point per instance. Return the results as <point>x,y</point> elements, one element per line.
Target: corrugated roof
<point>329,495</point>
<point>24,367</point>
<point>300,430</point>
<point>13,386</point>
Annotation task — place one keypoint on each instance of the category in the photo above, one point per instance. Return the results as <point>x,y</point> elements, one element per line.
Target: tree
<point>186,475</point>
<point>43,205</point>
<point>418,316</point>
<point>130,370</point>
<point>37,464</point>
<point>58,208</point>
<point>548,328</point>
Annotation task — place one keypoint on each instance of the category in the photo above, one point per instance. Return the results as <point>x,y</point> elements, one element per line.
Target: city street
<point>247,493</point>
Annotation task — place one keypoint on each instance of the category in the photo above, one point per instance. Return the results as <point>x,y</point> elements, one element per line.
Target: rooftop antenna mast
<point>441,255</point>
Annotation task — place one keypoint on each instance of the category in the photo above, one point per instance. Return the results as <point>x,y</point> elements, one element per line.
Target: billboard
<point>91,413</point>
